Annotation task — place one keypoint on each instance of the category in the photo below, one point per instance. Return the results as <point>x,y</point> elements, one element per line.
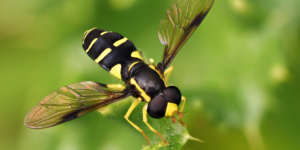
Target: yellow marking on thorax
<point>136,54</point>
<point>119,42</point>
<point>171,107</point>
<point>132,65</point>
<point>116,71</point>
<point>102,55</point>
<point>153,68</point>
<point>143,94</point>
<point>92,43</point>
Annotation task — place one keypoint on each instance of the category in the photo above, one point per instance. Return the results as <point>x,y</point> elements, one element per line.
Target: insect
<point>118,55</point>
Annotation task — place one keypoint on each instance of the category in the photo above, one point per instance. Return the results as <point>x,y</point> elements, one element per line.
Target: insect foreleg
<point>151,128</point>
<point>183,99</point>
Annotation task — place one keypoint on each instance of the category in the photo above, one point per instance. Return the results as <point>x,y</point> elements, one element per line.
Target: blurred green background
<point>239,72</point>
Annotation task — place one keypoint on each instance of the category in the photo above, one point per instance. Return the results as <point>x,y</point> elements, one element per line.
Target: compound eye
<point>172,94</point>
<point>157,106</point>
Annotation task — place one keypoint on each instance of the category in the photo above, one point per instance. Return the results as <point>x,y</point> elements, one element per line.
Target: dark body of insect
<point>119,56</point>
<point>145,82</point>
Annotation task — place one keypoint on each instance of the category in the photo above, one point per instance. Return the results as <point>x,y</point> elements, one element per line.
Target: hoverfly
<point>145,82</point>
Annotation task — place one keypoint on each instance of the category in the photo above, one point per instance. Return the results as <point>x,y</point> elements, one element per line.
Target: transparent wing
<point>181,20</point>
<point>70,102</point>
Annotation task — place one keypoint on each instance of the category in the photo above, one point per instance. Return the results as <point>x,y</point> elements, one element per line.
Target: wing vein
<point>188,14</point>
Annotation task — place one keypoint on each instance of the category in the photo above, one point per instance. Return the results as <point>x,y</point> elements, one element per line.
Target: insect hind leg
<point>133,105</point>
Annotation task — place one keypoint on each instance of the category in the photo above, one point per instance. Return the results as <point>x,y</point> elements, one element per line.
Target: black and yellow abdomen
<point>118,55</point>
<point>112,51</point>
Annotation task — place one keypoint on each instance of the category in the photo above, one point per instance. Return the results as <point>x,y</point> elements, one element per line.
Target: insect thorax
<point>146,80</point>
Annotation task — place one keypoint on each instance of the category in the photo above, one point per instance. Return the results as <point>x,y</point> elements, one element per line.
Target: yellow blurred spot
<point>279,73</point>
<point>239,6</point>
<point>197,103</point>
<point>151,60</point>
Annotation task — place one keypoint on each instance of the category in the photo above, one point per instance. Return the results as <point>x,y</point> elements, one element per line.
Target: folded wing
<point>72,101</point>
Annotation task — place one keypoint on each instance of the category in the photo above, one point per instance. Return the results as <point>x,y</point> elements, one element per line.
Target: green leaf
<point>175,133</point>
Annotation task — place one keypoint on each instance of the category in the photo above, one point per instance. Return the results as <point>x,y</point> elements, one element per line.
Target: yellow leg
<point>152,129</point>
<point>116,86</point>
<point>168,72</point>
<point>133,105</point>
<point>183,103</point>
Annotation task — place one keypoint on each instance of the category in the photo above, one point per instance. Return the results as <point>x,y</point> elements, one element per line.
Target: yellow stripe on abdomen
<point>103,54</point>
<point>104,32</point>
<point>119,42</point>
<point>92,43</point>
<point>86,33</point>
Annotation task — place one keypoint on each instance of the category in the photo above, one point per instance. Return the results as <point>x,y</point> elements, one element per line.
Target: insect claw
<point>161,137</point>
<point>173,118</point>
<point>148,142</point>
<point>183,123</point>
<point>163,143</point>
<point>179,116</point>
